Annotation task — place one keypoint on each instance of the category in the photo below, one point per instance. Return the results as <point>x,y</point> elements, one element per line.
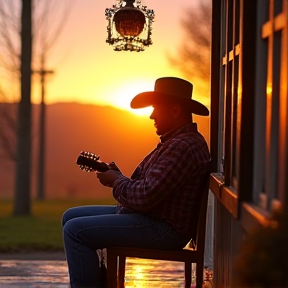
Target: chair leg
<point>121,271</point>
<point>111,269</point>
<point>188,274</point>
<point>199,275</point>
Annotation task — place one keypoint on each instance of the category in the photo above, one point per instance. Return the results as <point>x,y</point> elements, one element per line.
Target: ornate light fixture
<point>129,25</point>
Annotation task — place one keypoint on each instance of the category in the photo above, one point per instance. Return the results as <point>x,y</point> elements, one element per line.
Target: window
<point>249,105</point>
<point>228,99</point>
<point>230,47</point>
<point>273,26</point>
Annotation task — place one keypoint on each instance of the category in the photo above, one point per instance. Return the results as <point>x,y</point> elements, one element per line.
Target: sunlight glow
<point>269,90</point>
<point>139,273</point>
<point>125,94</point>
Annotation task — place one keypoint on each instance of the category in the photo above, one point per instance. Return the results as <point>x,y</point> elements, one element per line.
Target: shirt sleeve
<point>165,175</point>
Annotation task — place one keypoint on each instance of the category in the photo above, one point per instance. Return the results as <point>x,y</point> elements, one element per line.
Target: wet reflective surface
<point>140,273</point>
<point>32,274</point>
<point>148,273</point>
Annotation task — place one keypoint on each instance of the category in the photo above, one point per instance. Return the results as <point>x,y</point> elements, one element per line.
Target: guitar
<point>89,162</point>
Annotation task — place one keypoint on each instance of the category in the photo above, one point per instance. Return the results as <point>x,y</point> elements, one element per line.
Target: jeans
<point>89,228</point>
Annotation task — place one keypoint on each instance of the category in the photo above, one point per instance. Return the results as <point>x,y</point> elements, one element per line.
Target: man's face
<point>163,117</point>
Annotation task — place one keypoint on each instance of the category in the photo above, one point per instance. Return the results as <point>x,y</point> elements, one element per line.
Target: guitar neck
<point>95,165</point>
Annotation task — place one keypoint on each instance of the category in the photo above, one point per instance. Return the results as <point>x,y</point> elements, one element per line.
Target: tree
<point>193,57</point>
<point>10,73</point>
<point>17,62</point>
<point>23,168</point>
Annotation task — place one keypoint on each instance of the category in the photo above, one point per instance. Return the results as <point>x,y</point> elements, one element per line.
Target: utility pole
<point>41,153</point>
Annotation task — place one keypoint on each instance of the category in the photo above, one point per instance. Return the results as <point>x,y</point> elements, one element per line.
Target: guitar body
<point>89,162</point>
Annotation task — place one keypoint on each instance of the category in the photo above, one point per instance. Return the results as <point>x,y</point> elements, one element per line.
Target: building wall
<point>227,243</point>
<point>249,123</point>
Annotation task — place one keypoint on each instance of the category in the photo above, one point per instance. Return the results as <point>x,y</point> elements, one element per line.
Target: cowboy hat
<point>170,88</point>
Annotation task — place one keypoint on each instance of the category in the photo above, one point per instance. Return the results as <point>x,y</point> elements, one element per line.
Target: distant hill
<point>116,135</point>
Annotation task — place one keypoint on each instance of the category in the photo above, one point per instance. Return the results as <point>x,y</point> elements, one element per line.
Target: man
<point>158,204</point>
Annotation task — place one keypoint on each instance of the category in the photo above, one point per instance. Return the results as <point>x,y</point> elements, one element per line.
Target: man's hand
<point>108,178</point>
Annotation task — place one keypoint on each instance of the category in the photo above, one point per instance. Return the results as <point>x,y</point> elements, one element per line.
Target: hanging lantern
<point>129,26</point>
<point>129,22</point>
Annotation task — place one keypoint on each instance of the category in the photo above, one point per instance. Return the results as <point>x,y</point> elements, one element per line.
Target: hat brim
<point>146,99</point>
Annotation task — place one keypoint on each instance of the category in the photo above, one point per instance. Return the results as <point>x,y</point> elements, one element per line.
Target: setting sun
<point>123,96</point>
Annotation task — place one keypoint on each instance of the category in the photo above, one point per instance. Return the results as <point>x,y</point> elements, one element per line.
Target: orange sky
<point>88,70</point>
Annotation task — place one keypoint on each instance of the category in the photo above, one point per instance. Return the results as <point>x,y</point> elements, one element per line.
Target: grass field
<point>42,230</point>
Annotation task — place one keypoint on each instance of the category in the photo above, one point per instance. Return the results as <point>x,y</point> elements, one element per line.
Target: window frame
<point>241,195</point>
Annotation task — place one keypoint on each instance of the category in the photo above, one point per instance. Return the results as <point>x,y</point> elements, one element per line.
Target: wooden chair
<point>116,256</point>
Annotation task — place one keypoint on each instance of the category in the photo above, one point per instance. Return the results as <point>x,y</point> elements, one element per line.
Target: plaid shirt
<point>166,182</point>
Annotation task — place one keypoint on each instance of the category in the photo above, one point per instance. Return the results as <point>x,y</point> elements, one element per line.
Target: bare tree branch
<point>8,33</point>
<point>7,128</point>
<point>46,32</point>
<point>193,57</point>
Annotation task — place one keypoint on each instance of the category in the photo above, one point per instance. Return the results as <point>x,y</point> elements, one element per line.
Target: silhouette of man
<point>157,205</point>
